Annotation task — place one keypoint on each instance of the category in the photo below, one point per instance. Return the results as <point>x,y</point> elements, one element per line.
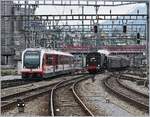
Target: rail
<point>130,95</point>
<point>65,83</point>
<point>78,98</point>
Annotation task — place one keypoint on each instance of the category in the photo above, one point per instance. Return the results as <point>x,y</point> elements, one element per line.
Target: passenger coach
<point>44,63</point>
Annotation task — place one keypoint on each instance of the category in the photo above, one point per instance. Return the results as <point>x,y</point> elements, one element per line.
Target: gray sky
<point>49,10</point>
<point>58,10</point>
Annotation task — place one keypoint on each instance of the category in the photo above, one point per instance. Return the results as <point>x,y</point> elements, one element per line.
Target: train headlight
<point>98,66</point>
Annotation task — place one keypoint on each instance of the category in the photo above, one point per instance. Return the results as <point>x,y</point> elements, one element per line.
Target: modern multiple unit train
<point>99,61</point>
<point>43,63</point>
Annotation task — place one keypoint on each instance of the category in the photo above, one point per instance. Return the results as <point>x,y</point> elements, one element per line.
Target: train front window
<point>32,59</point>
<point>93,58</point>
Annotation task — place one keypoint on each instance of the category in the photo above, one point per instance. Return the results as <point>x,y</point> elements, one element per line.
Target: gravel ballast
<point>95,94</point>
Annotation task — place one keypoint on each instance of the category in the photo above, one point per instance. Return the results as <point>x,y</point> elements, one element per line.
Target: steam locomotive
<point>102,60</point>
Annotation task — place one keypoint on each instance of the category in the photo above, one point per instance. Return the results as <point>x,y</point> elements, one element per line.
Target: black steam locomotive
<point>97,61</point>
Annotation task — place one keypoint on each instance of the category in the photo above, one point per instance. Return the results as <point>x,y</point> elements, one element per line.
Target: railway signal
<point>124,29</point>
<point>138,38</point>
<point>138,35</point>
<point>95,29</point>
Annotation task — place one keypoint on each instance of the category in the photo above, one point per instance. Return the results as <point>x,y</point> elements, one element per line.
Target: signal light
<point>95,29</point>
<point>138,38</point>
<point>124,28</point>
<point>138,35</point>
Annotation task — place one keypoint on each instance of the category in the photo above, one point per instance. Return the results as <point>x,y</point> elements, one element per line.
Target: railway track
<point>15,82</point>
<point>139,72</point>
<point>132,77</point>
<point>8,101</point>
<point>65,101</point>
<point>138,99</point>
<point>18,82</point>
<point>129,88</point>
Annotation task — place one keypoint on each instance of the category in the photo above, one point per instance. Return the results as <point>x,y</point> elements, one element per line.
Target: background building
<point>17,34</point>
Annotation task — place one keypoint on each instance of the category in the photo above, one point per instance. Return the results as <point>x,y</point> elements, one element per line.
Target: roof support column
<point>148,37</point>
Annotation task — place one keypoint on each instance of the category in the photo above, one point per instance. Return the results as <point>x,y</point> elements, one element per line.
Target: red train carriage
<point>44,63</point>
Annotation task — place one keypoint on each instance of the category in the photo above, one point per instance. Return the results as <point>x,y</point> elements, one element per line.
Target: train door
<point>62,61</point>
<point>60,64</point>
<point>49,66</point>
<point>55,62</point>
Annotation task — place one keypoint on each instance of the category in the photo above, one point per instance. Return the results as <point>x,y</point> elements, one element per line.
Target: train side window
<point>49,60</point>
<point>70,61</point>
<point>59,56</point>
<point>61,59</point>
<point>65,60</point>
<point>56,59</point>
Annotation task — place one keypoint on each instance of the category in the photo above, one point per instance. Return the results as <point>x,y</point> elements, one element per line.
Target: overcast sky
<point>49,10</point>
<point>60,10</point>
